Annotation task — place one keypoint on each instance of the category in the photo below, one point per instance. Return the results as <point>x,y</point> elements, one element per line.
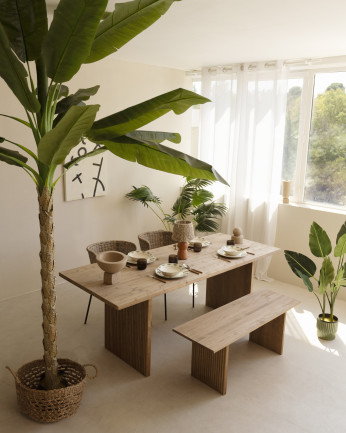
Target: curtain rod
<point>294,64</point>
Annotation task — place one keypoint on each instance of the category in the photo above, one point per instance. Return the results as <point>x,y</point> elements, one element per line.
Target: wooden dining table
<point>128,302</point>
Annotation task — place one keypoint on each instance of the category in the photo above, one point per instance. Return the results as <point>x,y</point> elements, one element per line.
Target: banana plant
<point>326,286</point>
<point>81,32</point>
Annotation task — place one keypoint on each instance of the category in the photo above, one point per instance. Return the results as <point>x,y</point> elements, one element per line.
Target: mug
<point>141,264</point>
<point>173,258</point>
<point>197,247</point>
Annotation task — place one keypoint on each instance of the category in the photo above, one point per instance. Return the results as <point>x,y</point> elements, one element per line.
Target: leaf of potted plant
<point>330,280</point>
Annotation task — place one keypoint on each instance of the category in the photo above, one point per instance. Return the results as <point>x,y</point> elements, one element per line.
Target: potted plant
<point>194,202</point>
<point>327,284</point>
<point>81,32</point>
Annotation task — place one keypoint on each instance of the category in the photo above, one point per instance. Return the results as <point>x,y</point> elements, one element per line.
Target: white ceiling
<point>196,33</point>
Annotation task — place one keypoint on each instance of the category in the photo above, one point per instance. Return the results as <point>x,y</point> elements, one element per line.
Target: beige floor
<point>304,390</point>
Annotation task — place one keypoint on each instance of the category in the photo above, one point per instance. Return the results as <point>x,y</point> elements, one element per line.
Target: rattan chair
<point>123,246</point>
<point>156,239</point>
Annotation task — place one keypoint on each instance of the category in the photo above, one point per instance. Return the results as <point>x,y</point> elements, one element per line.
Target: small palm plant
<point>194,202</point>
<point>144,195</point>
<point>330,280</point>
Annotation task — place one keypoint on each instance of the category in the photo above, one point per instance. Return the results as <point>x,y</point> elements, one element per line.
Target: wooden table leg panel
<point>229,286</point>
<point>128,334</point>
<point>210,368</point>
<point>271,335</point>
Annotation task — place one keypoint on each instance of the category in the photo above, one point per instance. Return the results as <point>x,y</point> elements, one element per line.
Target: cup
<point>141,264</point>
<point>197,247</point>
<point>173,258</point>
<point>230,242</point>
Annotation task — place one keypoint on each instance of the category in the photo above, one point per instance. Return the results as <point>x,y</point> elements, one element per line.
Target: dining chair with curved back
<point>156,239</point>
<point>99,247</point>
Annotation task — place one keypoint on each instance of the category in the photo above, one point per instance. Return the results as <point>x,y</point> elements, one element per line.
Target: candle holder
<point>182,233</point>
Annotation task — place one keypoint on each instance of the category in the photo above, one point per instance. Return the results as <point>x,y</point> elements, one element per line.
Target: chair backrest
<point>155,239</point>
<point>123,246</point>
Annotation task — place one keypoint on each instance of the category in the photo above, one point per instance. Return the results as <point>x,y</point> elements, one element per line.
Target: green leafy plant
<point>194,202</point>
<point>330,280</point>
<point>80,33</point>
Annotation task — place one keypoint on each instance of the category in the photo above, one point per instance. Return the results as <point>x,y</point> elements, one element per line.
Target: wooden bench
<point>261,314</point>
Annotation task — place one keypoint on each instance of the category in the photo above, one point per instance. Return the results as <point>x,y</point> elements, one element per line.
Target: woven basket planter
<point>52,405</point>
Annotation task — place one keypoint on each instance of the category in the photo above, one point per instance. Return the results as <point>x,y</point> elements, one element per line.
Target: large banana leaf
<point>300,262</point>
<point>70,36</point>
<point>25,23</point>
<point>319,242</point>
<point>87,155</point>
<point>15,157</point>
<point>155,136</point>
<point>160,157</point>
<point>14,73</point>
<point>74,99</point>
<point>57,143</point>
<point>127,21</point>
<point>132,118</point>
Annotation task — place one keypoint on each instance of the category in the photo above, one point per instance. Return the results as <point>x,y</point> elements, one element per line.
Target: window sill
<point>316,208</point>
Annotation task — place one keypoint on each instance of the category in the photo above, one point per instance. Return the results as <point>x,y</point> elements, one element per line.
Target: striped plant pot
<point>327,330</point>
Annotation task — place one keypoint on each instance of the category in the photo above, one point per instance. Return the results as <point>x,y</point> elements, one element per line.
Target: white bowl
<point>135,255</point>
<point>230,250</point>
<point>170,269</point>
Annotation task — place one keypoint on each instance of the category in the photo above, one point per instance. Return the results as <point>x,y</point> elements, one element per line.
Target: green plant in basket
<point>325,285</point>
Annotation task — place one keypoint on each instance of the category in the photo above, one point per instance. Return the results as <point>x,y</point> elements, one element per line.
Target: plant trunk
<point>51,379</point>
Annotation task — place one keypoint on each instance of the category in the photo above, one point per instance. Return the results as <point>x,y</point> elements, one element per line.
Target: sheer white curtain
<point>242,135</point>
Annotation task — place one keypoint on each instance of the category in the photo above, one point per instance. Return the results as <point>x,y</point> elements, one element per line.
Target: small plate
<point>201,240</point>
<point>133,256</point>
<point>181,270</point>
<point>223,254</point>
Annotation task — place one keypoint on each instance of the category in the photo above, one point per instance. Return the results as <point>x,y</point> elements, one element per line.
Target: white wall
<point>292,233</point>
<point>79,223</point>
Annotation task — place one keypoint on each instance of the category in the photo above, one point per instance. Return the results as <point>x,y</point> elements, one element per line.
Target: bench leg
<point>271,335</point>
<point>210,368</point>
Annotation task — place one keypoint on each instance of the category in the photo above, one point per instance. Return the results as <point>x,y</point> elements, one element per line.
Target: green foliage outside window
<point>326,165</point>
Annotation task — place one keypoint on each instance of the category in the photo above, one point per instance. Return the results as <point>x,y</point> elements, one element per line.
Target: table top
<point>136,286</point>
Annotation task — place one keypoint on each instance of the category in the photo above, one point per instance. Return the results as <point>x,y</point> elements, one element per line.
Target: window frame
<point>305,118</point>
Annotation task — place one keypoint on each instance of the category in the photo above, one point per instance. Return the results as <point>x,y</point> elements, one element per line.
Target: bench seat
<point>261,314</point>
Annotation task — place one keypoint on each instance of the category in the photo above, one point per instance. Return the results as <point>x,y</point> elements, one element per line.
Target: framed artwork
<point>88,177</point>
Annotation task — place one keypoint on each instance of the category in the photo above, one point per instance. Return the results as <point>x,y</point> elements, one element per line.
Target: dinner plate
<point>201,240</point>
<point>133,256</point>
<point>223,254</point>
<point>183,271</point>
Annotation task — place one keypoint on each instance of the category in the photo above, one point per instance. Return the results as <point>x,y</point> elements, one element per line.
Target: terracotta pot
<point>326,329</point>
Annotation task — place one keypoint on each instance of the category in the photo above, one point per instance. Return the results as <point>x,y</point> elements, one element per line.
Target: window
<point>314,156</point>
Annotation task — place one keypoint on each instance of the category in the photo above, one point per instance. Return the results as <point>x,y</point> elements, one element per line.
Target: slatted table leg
<point>229,286</point>
<point>128,334</point>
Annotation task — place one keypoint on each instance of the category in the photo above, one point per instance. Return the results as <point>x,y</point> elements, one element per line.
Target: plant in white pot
<point>81,32</point>
<point>326,285</point>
